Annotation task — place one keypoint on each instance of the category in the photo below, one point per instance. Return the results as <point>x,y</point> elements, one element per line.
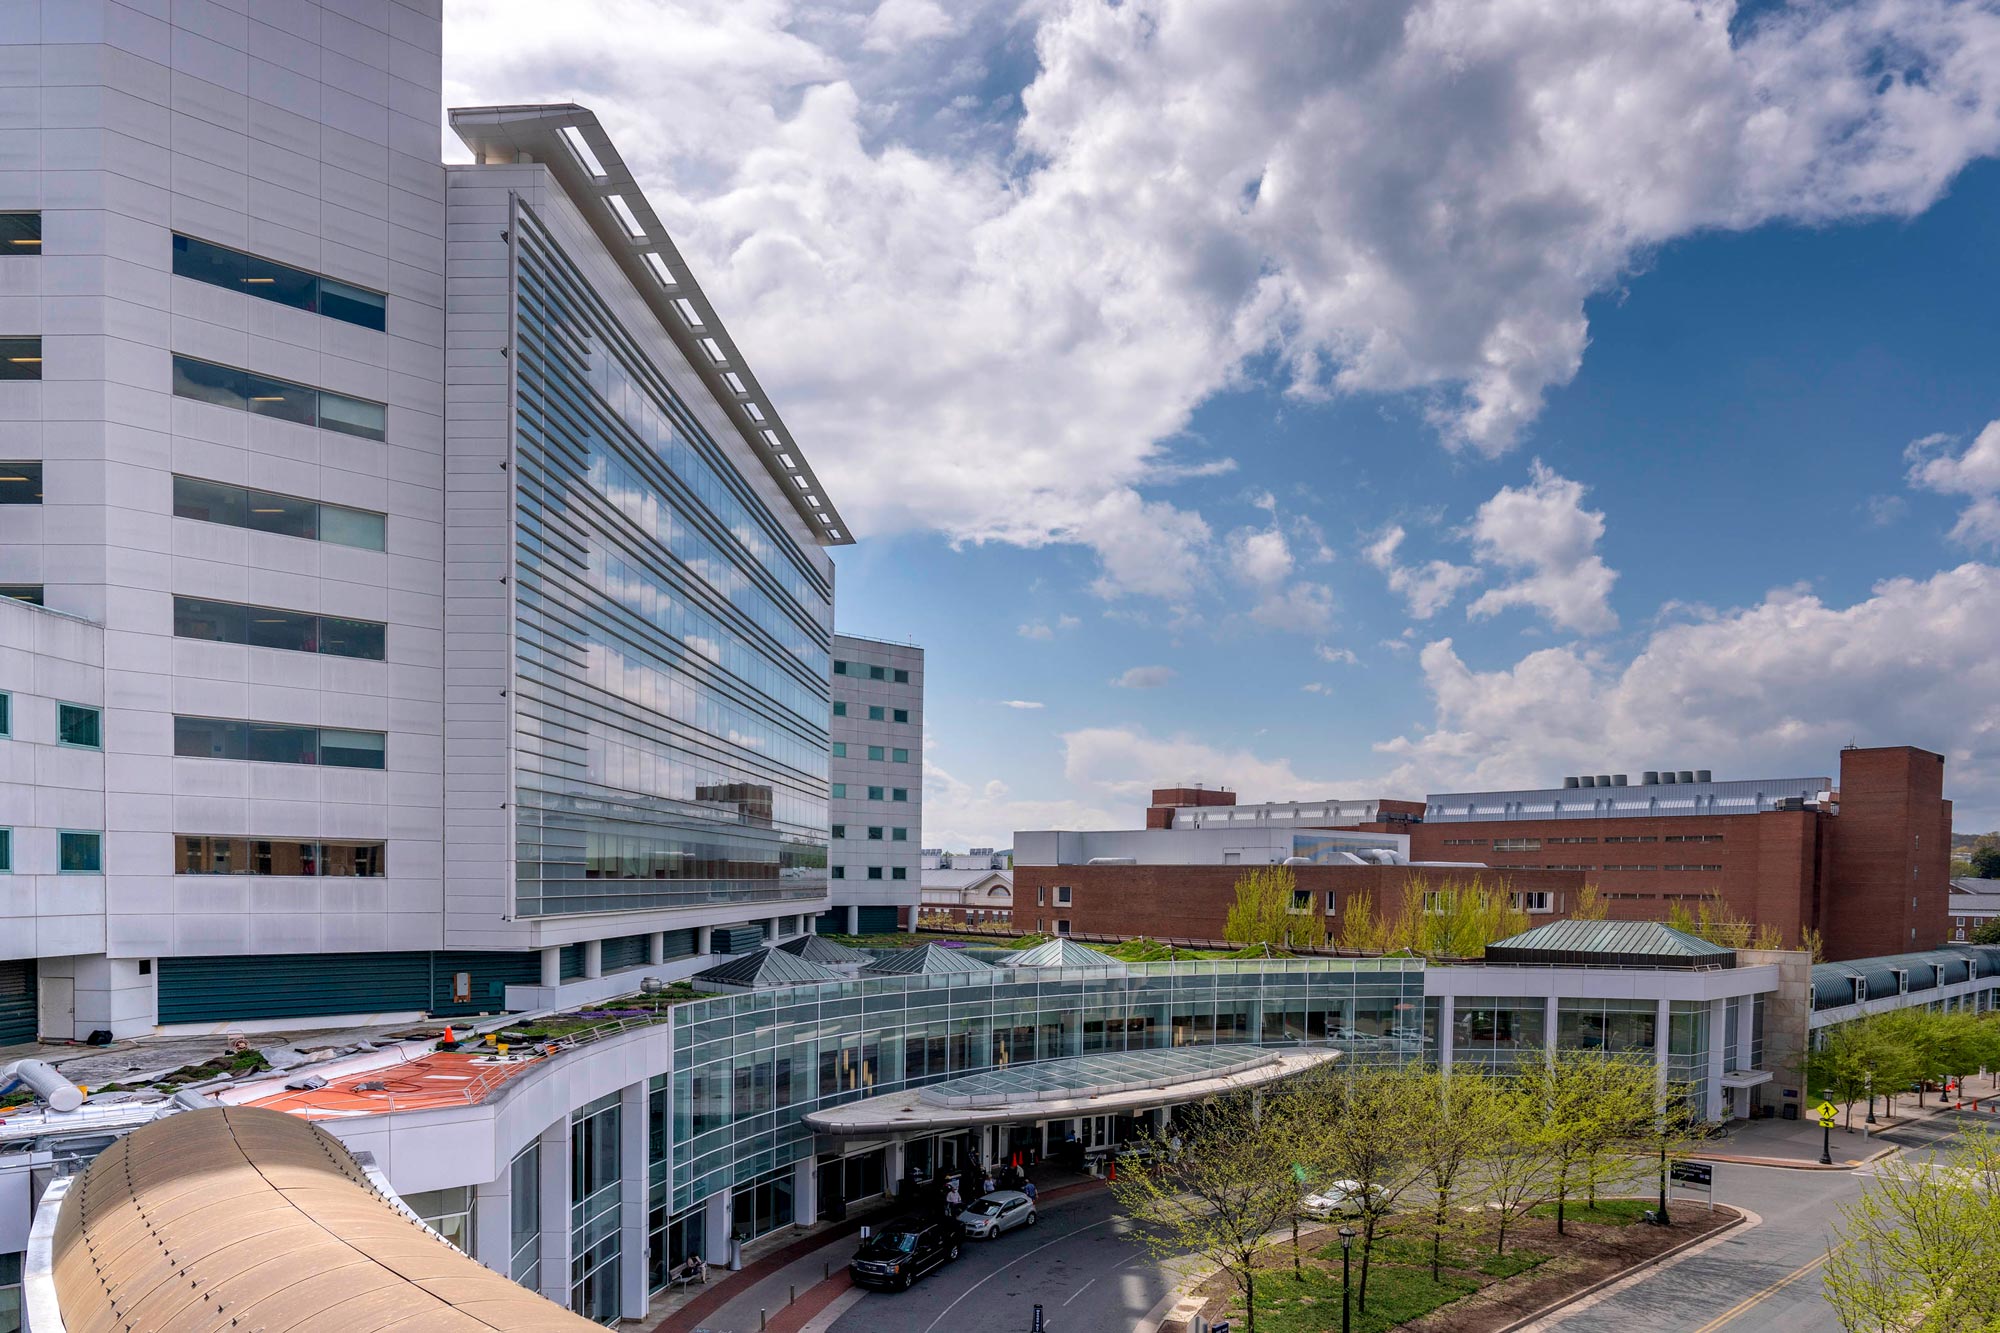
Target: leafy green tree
<point>1266,912</point>
<point>1915,1252</point>
<point>1360,1126</point>
<point>1985,857</point>
<point>1466,1125</point>
<point>1987,932</point>
<point>1512,1175</point>
<point>1220,1197</point>
<point>1593,1107</point>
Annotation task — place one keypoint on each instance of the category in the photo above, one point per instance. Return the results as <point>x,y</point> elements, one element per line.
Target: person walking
<point>1028,1188</point>
<point>952,1201</point>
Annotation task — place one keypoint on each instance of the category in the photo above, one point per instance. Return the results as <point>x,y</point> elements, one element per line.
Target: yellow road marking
<point>1748,1301</point>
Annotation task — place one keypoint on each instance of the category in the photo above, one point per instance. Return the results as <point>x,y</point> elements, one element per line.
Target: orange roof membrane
<point>443,1078</point>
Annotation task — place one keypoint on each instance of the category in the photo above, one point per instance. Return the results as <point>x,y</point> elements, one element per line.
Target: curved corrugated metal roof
<point>1833,983</point>
<point>925,960</point>
<point>768,967</point>
<point>246,1219</point>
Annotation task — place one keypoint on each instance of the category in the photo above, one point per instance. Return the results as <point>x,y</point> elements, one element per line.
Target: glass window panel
<point>77,725</point>
<point>6,714</point>
<point>209,501</point>
<point>273,743</point>
<point>20,234</point>
<point>20,483</point>
<point>215,264</point>
<point>278,282</point>
<point>30,593</point>
<point>80,853</point>
<point>352,527</point>
<point>282,514</point>
<point>352,638</point>
<point>352,749</point>
<point>210,738</point>
<point>20,358</point>
<point>353,416</point>
<point>353,305</point>
<point>206,382</point>
<point>6,849</point>
<point>282,399</point>
<point>217,622</point>
<point>294,631</point>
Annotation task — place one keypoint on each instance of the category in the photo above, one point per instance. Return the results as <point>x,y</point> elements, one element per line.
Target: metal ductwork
<point>1650,778</point>
<point>1687,775</point>
<point>42,1079</point>
<point>1702,775</point>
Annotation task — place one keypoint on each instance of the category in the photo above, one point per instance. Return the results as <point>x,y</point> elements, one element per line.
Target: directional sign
<point>1692,1173</point>
<point>1828,1113</point>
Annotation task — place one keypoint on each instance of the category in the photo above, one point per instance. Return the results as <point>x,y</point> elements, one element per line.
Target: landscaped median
<point>1477,1289</point>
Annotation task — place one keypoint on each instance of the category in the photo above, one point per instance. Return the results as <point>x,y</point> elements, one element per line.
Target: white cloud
<point>990,329</point>
<point>1260,557</point>
<point>1543,533</point>
<point>1022,703</point>
<point>1317,687</point>
<point>1144,678</point>
<point>1303,606</point>
<point>1043,630</point>
<point>1772,688</point>
<point>1326,652</point>
<point>1427,588</point>
<point>962,814</point>
<point>1974,473</point>
<point>1128,762</point>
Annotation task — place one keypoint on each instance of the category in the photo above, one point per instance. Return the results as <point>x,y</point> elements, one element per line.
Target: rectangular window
<point>877,673</point>
<point>899,794</point>
<point>875,713</point>
<point>285,515</point>
<point>840,791</point>
<point>899,756</point>
<point>902,676</point>
<point>838,872</point>
<point>1536,900</point>
<point>1331,906</point>
<point>20,358</point>
<point>899,872</point>
<point>264,396</point>
<point>839,709</point>
<point>6,850</point>
<point>79,726</point>
<point>80,853</point>
<point>874,833</point>
<point>874,872</point>
<point>21,483</point>
<point>277,743</point>
<point>1062,895</point>
<point>876,754</point>
<point>31,593</point>
<point>1041,895</point>
<point>840,749</point>
<point>899,835</point>
<point>6,714</point>
<point>839,667</point>
<point>268,627</point>
<point>1517,844</point>
<point>838,830</point>
<point>874,793</point>
<point>20,234</point>
<point>220,266</point>
<point>200,855</point>
<point>1062,925</point>
<point>900,715</point>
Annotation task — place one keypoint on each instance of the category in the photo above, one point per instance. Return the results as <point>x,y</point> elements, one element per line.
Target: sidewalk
<point>1796,1144</point>
<point>759,1296</point>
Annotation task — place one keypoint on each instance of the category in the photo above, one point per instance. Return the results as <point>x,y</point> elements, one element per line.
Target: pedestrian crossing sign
<point>1827,1115</point>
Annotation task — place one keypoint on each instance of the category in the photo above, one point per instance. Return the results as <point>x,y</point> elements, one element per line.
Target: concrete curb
<point>1786,1164</point>
<point>1556,1307</point>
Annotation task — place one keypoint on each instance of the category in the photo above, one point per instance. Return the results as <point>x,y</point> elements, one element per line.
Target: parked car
<point>1342,1198</point>
<point>904,1250</point>
<point>1001,1211</point>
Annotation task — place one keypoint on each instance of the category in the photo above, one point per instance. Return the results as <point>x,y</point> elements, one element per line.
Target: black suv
<point>904,1250</point>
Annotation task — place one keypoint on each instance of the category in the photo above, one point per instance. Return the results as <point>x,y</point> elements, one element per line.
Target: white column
<point>1447,1026</point>
<point>1553,1015</point>
<point>632,1190</point>
<point>493,1223</point>
<point>715,1227</point>
<point>1718,1015</point>
<point>895,1161</point>
<point>1746,1029</point>
<point>1662,1020</point>
<point>555,1212</point>
<point>593,958</point>
<point>805,1192</point>
<point>552,965</point>
<point>853,921</point>
<point>656,948</point>
<point>704,941</point>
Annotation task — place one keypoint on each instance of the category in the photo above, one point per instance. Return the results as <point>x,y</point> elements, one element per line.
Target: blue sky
<point>1129,345</point>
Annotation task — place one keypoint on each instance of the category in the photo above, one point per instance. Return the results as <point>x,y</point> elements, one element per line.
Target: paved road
<point>1080,1262</point>
<point>1765,1277</point>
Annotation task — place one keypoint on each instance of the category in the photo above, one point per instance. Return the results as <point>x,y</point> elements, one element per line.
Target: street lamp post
<point>1347,1235</point>
<point>1868,1082</point>
<point>1826,1143</point>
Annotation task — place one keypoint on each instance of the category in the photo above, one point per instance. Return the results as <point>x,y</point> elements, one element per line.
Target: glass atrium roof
<point>1096,1075</point>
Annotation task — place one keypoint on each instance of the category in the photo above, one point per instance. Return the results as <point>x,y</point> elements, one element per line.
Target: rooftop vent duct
<point>1587,780</point>
<point>1618,780</point>
<point>1570,784</point>
<point>57,1092</point>
<point>1687,775</point>
<point>1604,779</point>
<point>1667,775</point>
<point>1702,775</point>
<point>1650,778</point>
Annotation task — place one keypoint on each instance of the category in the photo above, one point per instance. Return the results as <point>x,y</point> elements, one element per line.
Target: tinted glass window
<point>20,358</point>
<point>6,713</point>
<point>253,275</point>
<point>210,738</point>
<point>352,638</point>
<point>352,527</point>
<point>272,743</point>
<point>77,725</point>
<point>285,515</point>
<point>293,631</point>
<point>219,622</point>
<point>214,264</point>
<point>281,399</point>
<point>81,852</point>
<point>353,416</point>
<point>20,234</point>
<point>902,676</point>
<point>6,849</point>
<point>209,501</point>
<point>20,483</point>
<point>352,749</point>
<point>206,382</point>
<point>355,305</point>
<point>279,282</point>
<point>22,592</point>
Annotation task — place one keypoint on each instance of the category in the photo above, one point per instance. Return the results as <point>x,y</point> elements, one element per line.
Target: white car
<point>1342,1198</point>
<point>985,1218</point>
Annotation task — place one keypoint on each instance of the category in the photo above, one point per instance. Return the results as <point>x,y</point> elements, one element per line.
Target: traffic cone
<point>447,1034</point>
<point>1111,1170</point>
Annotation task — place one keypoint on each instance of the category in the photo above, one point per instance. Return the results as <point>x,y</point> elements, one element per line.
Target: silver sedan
<point>987,1217</point>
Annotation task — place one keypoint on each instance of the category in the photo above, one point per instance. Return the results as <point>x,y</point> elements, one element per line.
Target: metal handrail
<point>479,1089</point>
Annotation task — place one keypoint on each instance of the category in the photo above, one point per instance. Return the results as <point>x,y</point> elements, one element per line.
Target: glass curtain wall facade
<point>747,1067</point>
<point>524,1240</point>
<point>594,1191</point>
<point>672,637</point>
<point>1499,1032</point>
